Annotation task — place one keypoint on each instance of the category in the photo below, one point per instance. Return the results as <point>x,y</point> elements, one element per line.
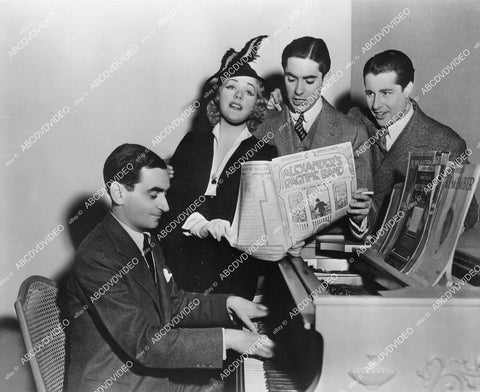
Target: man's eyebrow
<point>386,89</point>
<point>156,189</point>
<point>290,74</point>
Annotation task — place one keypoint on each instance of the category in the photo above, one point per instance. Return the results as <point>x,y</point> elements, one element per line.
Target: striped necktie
<point>383,140</point>
<point>299,130</point>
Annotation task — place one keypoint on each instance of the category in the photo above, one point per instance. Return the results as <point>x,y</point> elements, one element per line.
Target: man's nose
<point>162,204</point>
<point>377,102</point>
<point>299,89</point>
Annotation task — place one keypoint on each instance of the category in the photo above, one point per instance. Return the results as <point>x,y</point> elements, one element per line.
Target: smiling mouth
<point>236,106</point>
<point>380,114</point>
<point>298,101</point>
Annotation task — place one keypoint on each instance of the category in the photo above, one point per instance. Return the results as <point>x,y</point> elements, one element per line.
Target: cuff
<point>224,350</point>
<point>359,231</point>
<point>194,224</point>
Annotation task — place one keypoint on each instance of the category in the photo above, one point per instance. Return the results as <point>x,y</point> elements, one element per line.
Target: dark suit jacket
<point>330,127</point>
<point>420,133</point>
<point>120,325</point>
<point>198,262</point>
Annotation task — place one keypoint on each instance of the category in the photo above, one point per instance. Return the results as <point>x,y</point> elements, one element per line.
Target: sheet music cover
<point>291,198</point>
<point>417,222</point>
<point>414,160</point>
<point>437,256</point>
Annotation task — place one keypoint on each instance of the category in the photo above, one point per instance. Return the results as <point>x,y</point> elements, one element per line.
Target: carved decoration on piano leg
<point>372,377</point>
<point>451,375</point>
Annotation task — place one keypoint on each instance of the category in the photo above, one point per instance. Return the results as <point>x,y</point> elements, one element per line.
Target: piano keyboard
<point>270,375</point>
<point>297,360</point>
<point>254,375</point>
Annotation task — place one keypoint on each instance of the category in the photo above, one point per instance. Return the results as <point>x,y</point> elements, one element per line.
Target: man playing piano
<point>140,333</point>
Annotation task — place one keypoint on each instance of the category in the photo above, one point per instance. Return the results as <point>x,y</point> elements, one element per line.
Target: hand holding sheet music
<point>283,202</point>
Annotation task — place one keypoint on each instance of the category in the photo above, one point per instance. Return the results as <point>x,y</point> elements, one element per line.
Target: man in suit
<point>139,332</point>
<point>398,126</point>
<point>307,121</point>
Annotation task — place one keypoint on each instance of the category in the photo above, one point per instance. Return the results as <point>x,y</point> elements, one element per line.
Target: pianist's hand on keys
<point>245,341</point>
<point>246,310</point>
<point>249,342</point>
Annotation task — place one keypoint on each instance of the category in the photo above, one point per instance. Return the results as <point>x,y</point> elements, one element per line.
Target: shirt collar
<point>245,134</point>
<point>398,125</point>
<point>136,236</point>
<point>311,114</point>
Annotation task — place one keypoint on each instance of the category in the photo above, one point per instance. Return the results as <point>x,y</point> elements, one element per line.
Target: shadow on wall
<point>15,376</point>
<point>81,218</point>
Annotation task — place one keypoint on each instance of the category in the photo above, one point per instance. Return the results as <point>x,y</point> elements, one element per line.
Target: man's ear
<point>408,89</point>
<point>117,193</point>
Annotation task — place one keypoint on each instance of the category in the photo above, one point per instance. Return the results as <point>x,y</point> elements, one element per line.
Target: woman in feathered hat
<point>206,181</point>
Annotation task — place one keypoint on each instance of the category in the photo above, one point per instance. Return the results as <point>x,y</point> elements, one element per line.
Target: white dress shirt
<point>397,127</point>
<point>136,236</point>
<point>309,116</point>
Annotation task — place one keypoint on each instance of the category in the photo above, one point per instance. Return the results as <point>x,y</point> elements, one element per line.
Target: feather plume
<point>248,54</point>
<point>249,50</point>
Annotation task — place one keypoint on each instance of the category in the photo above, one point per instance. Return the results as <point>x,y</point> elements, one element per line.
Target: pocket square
<point>167,274</point>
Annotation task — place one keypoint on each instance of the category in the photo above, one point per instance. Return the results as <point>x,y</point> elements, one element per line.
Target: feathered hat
<point>236,64</point>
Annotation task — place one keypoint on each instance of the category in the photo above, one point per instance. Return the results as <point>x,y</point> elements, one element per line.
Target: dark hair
<point>391,61</point>
<point>308,48</point>
<point>125,163</point>
<point>258,113</point>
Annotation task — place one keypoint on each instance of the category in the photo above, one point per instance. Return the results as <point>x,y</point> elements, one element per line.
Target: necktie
<point>147,253</point>
<point>383,140</point>
<point>299,130</point>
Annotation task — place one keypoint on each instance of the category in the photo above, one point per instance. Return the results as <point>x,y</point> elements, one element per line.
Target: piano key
<point>254,375</point>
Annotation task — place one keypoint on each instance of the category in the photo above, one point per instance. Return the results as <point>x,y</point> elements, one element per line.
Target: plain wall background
<point>47,184</point>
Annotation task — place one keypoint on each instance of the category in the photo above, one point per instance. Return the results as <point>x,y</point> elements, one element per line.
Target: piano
<point>365,329</point>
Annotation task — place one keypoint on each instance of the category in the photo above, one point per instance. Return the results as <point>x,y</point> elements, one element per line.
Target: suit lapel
<point>284,133</point>
<point>412,137</point>
<point>323,127</point>
<point>127,248</point>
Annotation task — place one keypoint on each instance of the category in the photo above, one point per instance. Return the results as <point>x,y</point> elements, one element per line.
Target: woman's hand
<point>170,171</point>
<point>275,101</point>
<point>217,228</point>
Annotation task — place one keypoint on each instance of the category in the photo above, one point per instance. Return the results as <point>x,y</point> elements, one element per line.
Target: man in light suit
<point>307,121</point>
<point>139,333</point>
<point>398,126</point>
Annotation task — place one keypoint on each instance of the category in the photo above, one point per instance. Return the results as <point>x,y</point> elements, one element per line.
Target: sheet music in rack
<point>291,198</point>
